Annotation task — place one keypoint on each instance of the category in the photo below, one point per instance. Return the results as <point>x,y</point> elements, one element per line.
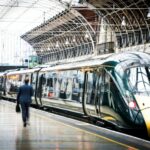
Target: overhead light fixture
<point>57,45</point>
<point>123,23</point>
<point>67,42</point>
<point>148,15</point>
<point>74,39</point>
<point>86,36</point>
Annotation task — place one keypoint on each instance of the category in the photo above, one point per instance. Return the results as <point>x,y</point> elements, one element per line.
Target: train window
<point>45,84</point>
<point>66,85</point>
<point>63,85</point>
<point>139,80</point>
<point>69,84</point>
<point>56,85</point>
<point>1,83</point>
<point>43,79</point>
<point>92,78</point>
<point>77,85</point>
<point>75,88</point>
<point>12,83</point>
<point>34,80</point>
<point>39,86</point>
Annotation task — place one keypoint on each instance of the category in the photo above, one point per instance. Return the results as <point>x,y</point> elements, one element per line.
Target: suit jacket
<point>25,93</point>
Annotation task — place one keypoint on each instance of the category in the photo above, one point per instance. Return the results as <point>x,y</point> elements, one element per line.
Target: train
<point>115,90</point>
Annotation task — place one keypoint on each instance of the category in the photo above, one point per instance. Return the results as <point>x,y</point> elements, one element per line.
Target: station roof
<point>45,24</point>
<point>133,14</point>
<point>27,14</point>
<point>125,18</point>
<point>23,15</point>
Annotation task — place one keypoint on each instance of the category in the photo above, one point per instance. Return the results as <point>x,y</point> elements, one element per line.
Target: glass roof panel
<point>22,15</point>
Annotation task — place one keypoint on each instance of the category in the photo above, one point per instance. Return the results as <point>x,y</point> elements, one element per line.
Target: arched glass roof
<point>58,29</point>
<point>19,16</point>
<point>23,15</point>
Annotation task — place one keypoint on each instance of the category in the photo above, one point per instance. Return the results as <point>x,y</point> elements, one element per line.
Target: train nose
<point>144,107</point>
<point>146,116</point>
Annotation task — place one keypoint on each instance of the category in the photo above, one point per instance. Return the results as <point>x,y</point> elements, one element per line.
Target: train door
<point>45,87</point>
<point>109,99</point>
<point>40,81</point>
<point>101,96</point>
<point>100,89</point>
<point>90,103</point>
<point>2,79</point>
<point>34,85</point>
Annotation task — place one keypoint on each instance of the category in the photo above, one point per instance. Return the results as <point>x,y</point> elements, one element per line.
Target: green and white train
<point>115,90</point>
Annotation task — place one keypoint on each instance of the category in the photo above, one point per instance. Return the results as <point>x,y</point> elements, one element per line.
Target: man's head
<point>26,81</point>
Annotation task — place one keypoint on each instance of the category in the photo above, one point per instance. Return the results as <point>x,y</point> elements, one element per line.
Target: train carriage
<point>13,79</point>
<point>115,90</point>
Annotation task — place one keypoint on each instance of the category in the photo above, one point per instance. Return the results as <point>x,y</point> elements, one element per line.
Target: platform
<point>53,132</point>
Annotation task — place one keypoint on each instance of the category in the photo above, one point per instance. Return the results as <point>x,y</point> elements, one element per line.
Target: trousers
<point>25,111</point>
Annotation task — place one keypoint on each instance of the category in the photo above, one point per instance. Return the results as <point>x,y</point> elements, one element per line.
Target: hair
<point>26,81</point>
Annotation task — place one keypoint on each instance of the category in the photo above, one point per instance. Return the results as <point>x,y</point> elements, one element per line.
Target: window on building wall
<point>119,41</point>
<point>138,37</point>
<point>145,35</point>
<point>124,40</point>
<point>131,39</point>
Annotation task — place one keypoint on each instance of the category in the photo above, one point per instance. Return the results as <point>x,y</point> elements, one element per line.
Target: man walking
<point>24,98</point>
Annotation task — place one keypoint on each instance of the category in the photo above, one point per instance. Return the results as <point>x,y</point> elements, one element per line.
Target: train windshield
<point>139,80</point>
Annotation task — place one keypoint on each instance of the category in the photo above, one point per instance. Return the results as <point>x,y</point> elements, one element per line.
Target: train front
<point>139,85</point>
<point>136,85</point>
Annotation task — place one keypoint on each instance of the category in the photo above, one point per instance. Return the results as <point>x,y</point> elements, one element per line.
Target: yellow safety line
<point>100,136</point>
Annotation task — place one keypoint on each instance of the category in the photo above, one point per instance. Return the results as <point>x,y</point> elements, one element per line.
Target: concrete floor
<point>45,133</point>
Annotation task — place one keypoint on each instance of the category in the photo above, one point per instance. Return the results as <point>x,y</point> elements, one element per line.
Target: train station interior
<point>89,64</point>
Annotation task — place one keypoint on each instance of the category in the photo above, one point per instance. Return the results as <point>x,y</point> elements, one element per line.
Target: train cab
<point>131,74</point>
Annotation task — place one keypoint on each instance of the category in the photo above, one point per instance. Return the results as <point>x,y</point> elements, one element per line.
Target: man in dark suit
<point>24,98</point>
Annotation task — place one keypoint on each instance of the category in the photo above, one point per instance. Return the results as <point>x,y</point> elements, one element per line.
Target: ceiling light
<point>67,42</point>
<point>123,23</point>
<point>57,45</point>
<point>74,39</point>
<point>148,15</point>
<point>86,36</point>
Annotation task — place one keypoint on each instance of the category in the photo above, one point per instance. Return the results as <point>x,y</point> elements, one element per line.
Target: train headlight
<point>132,104</point>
